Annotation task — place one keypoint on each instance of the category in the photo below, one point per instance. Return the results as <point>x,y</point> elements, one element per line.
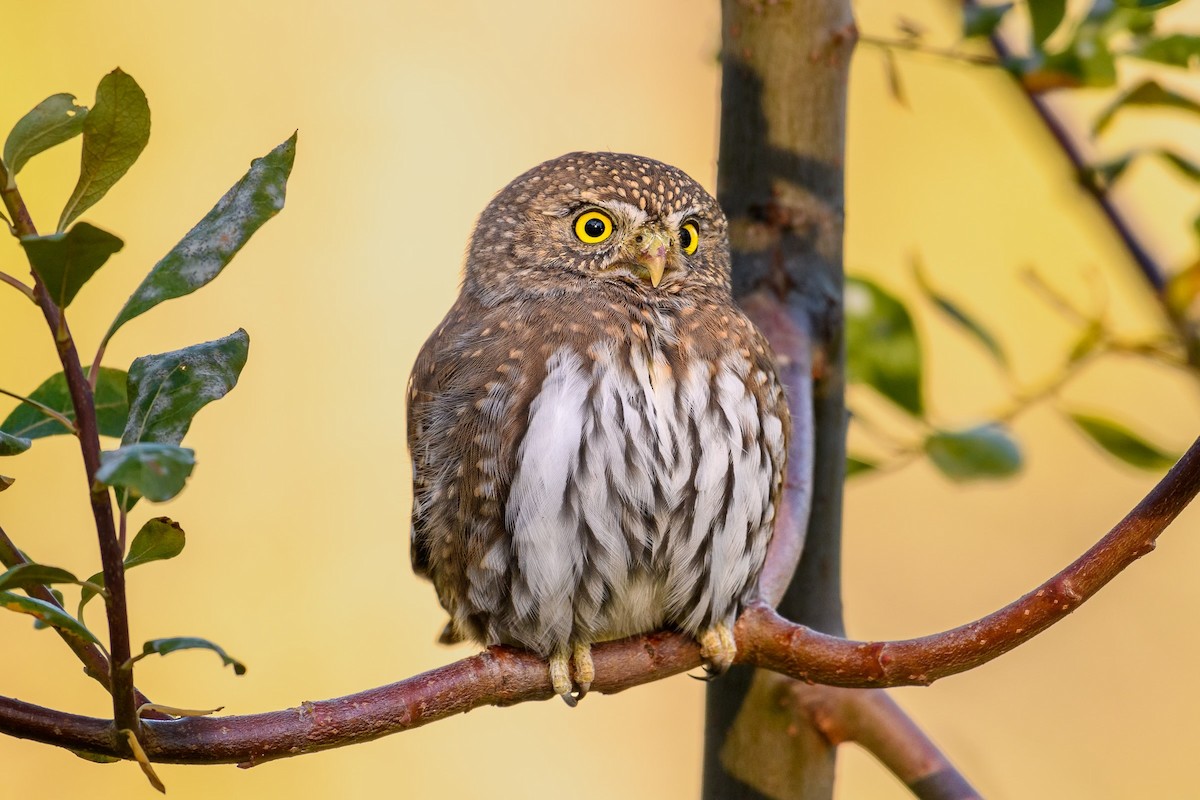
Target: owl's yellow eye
<point>689,237</point>
<point>593,227</point>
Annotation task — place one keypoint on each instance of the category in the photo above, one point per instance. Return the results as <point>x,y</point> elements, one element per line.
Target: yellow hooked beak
<point>652,248</point>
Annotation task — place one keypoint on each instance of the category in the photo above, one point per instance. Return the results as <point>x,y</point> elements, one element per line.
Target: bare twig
<point>502,676</point>
<point>916,46</point>
<point>45,409</point>
<point>18,285</point>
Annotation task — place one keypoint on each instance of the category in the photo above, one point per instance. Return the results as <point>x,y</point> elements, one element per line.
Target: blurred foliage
<point>1060,52</point>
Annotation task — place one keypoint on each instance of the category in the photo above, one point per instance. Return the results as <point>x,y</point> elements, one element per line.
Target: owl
<point>598,434</point>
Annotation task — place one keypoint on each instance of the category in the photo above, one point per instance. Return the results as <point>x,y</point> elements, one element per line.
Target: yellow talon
<point>717,648</point>
<point>560,677</point>
<point>585,670</point>
<point>560,673</point>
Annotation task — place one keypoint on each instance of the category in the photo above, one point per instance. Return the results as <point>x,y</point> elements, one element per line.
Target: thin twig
<point>18,285</point>
<point>915,46</point>
<point>66,422</point>
<point>503,676</point>
<point>1149,267</point>
<point>95,663</point>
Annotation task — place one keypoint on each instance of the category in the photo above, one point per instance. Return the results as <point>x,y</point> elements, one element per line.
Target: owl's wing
<point>469,398</point>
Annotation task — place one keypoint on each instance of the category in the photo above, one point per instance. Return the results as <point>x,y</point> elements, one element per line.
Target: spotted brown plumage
<point>597,432</point>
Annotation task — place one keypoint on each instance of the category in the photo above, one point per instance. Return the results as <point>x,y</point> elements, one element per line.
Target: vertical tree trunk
<point>780,180</point>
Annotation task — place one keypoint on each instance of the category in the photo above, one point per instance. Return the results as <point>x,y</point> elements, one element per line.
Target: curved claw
<point>718,649</point>
<point>560,673</point>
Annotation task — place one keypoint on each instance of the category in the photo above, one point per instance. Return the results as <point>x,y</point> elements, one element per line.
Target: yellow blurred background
<point>411,115</point>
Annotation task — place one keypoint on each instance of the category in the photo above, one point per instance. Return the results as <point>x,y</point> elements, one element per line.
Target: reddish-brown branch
<point>788,328</point>
<point>83,403</point>
<point>503,677</point>
<point>873,720</point>
<point>95,663</point>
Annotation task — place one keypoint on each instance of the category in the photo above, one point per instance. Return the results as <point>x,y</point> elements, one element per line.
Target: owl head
<point>585,220</point>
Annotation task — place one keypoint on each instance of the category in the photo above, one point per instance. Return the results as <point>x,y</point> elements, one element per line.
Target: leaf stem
<point>65,421</point>
<point>124,518</point>
<point>18,285</point>
<point>93,374</point>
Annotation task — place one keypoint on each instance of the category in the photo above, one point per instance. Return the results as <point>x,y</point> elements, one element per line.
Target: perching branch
<point>83,402</point>
<point>502,676</point>
<point>788,328</point>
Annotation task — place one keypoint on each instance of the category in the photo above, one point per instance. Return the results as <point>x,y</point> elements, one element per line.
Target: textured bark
<point>780,180</point>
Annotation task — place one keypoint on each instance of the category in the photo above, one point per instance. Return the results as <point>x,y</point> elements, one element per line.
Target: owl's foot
<point>717,648</point>
<point>560,673</point>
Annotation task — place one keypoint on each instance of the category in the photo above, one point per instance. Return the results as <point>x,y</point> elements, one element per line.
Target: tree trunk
<point>780,181</point>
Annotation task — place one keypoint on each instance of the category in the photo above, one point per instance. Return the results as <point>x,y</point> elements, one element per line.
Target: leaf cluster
<point>150,405</point>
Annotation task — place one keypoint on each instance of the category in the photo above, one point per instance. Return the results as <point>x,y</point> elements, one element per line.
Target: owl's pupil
<point>594,228</point>
<point>685,238</point>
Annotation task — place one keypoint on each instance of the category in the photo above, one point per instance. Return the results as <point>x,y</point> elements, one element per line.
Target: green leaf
<point>147,469</point>
<point>112,409</point>
<point>95,758</point>
<point>1146,5</point>
<point>53,121</point>
<point>27,576</point>
<point>882,347</point>
<point>58,596</point>
<point>1185,166</point>
<point>1182,290</point>
<point>216,239</point>
<point>13,445</point>
<point>1123,443</point>
<point>982,20</point>
<point>985,451</point>
<point>1176,50</point>
<point>1148,93</point>
<point>172,645</point>
<point>1104,174</point>
<point>1044,17</point>
<point>114,134</point>
<point>856,465</point>
<point>1088,339</point>
<point>959,316</point>
<point>47,614</point>
<point>65,261</point>
<point>166,390</point>
<point>159,539</point>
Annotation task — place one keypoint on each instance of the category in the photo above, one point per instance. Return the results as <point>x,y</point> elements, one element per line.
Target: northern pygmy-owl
<point>597,432</point>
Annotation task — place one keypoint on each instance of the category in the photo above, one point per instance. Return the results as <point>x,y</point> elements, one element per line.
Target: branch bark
<point>501,676</point>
